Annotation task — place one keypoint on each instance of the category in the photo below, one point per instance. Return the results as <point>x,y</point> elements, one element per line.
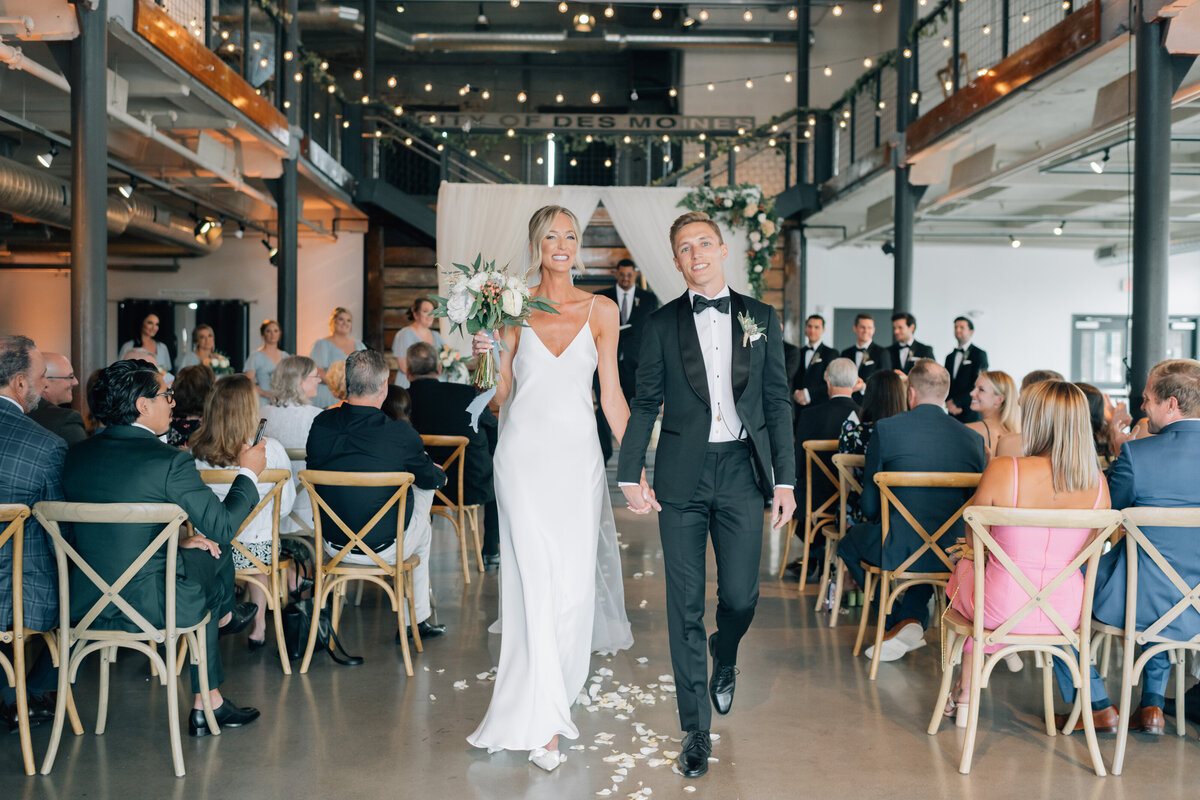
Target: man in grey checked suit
<point>31,464</point>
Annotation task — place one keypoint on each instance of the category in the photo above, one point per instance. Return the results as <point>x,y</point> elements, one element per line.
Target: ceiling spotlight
<point>126,189</point>
<point>608,12</point>
<point>792,14</point>
<point>1097,166</point>
<point>1014,241</point>
<point>521,97</point>
<point>47,158</point>
<point>656,13</point>
<point>272,251</point>
<point>748,15</point>
<point>837,10</point>
<point>595,97</point>
<point>203,226</point>
<point>689,22</point>
<point>1058,229</point>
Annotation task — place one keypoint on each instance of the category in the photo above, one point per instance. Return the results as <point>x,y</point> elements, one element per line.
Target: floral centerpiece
<point>745,208</point>
<point>219,363</point>
<point>454,366</point>
<point>482,298</point>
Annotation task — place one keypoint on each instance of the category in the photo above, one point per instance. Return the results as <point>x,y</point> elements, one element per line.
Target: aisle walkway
<point>806,721</point>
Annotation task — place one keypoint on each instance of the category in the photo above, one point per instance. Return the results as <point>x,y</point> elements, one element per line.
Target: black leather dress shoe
<point>1192,705</point>
<point>693,758</point>
<point>41,706</point>
<point>240,619</point>
<point>723,681</point>
<point>228,716</point>
<point>491,561</point>
<point>427,630</point>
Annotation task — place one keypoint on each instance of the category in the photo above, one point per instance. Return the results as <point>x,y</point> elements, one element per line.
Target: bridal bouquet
<point>219,363</point>
<point>454,366</point>
<point>482,298</point>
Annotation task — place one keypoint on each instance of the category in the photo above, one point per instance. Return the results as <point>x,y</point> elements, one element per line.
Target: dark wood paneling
<point>410,276</point>
<point>410,256</point>
<point>1069,38</point>
<point>174,41</point>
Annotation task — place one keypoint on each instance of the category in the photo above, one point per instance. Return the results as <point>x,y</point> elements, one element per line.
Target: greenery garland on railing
<point>742,207</point>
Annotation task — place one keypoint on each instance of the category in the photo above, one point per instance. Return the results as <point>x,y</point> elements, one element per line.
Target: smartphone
<point>258,434</point>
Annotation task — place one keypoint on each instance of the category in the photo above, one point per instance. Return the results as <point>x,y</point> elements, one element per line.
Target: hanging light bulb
<point>748,15</point>
<point>358,74</point>
<point>287,55</point>
<point>562,8</point>
<point>521,97</point>
<point>627,140</point>
<point>1025,17</point>
<point>429,87</point>
<point>877,8</point>
<point>332,89</point>
<point>907,53</point>
<point>703,136</point>
<point>1014,241</point>
<point>595,97</point>
<point>711,87</point>
<point>770,142</point>
<point>472,154</point>
<point>608,12</point>
<point>514,3</point>
<point>324,65</point>
<point>633,95</point>
<point>672,92</point>
<point>792,14</point>
<point>787,77</point>
<point>256,45</point>
<point>588,138</point>
<point>486,95</point>
<point>987,29</point>
<point>398,110</point>
<point>749,83</point>
<point>946,42</point>
<point>558,98</point>
<point>703,15</point>
<point>510,133</point>
<point>574,162</point>
<point>867,63</point>
<point>828,71</point>
<point>608,162</point>
<point>837,10</point>
<point>392,82</point>
<point>262,62</point>
<point>656,13</point>
<point>365,99</point>
<point>298,77</point>
<point>1058,229</point>
<point>507,157</point>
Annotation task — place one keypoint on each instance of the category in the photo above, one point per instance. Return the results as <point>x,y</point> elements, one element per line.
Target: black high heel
<point>254,645</point>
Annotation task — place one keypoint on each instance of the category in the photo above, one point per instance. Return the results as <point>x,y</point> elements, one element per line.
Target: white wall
<point>1020,300</point>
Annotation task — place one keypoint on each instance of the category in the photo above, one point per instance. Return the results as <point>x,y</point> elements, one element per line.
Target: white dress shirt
<point>624,297</point>
<point>960,353</point>
<point>715,332</point>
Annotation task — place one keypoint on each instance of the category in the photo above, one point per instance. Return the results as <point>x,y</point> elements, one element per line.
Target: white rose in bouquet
<point>512,301</point>
<point>498,278</point>
<point>477,281</point>
<point>458,305</point>
<point>513,282</point>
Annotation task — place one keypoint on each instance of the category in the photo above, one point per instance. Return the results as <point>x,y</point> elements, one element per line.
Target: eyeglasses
<point>170,395</point>
<point>60,377</point>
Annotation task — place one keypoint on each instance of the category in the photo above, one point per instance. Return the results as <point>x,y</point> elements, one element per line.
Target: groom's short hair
<point>688,219</point>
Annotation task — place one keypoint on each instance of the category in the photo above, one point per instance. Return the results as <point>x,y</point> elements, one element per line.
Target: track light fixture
<point>1097,166</point>
<point>47,158</point>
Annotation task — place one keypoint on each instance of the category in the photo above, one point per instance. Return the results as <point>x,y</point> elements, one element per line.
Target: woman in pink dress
<point>1058,470</point>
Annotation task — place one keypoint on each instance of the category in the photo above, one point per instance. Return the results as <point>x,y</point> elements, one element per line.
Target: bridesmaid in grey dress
<point>261,363</point>
<point>146,341</point>
<point>334,347</point>
<point>419,330</point>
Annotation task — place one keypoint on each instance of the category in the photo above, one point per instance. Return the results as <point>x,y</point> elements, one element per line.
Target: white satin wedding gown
<point>561,594</point>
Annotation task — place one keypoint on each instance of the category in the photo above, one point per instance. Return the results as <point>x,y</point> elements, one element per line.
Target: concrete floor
<point>806,721</point>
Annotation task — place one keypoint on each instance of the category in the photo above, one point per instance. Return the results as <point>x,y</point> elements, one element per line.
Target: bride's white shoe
<point>546,759</point>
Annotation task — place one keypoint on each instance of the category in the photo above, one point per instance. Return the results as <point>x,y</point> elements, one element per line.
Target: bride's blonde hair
<point>539,225</point>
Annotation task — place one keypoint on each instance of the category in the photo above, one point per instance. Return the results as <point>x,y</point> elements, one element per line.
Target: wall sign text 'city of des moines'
<point>601,123</point>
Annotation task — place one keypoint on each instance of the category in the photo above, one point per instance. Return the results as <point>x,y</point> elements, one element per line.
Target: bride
<point>560,580</point>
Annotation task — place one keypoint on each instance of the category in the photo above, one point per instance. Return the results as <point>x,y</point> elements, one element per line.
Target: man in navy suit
<point>31,463</point>
<point>922,439</point>
<point>905,349</point>
<point>1158,471</point>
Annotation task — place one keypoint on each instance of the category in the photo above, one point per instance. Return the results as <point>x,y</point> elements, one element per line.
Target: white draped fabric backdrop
<point>493,219</point>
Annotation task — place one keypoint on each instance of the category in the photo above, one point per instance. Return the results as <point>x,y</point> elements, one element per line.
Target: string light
<point>287,55</point>
<point>298,77</point>
<point>749,83</point>
<point>588,138</point>
<point>907,53</point>
<point>514,3</point>
<point>672,92</point>
<point>511,132</point>
<point>562,8</point>
<point>1014,241</point>
<point>574,162</point>
<point>472,154</point>
<point>667,159</point>
<point>262,62</point>
<point>627,140</point>
<point>666,138</point>
<point>770,142</point>
<point>392,82</point>
<point>595,97</point>
<point>398,110</point>
<point>748,15</point>
<point>558,98</point>
<point>316,115</point>
<point>867,63</point>
<point>486,95</point>
<point>256,45</point>
<point>703,137</point>
<point>792,14</point>
<point>1058,229</point>
<point>521,97</point>
<point>656,13</point>
<point>837,10</point>
<point>608,12</point>
<point>711,87</point>
<point>608,162</point>
<point>324,64</point>
<point>987,29</point>
<point>365,99</point>
<point>408,141</point>
<point>787,77</point>
<point>946,42</point>
<point>703,15</point>
<point>541,160</point>
<point>358,74</point>
<point>1025,17</point>
<point>914,98</point>
<point>877,8</point>
<point>429,87</point>
<point>828,71</point>
<point>332,89</point>
<point>507,157</point>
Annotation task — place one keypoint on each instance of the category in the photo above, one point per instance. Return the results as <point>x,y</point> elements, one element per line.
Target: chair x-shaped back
<point>814,518</point>
<point>457,512</point>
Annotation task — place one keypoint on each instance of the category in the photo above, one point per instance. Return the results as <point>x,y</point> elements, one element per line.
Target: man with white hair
<point>52,412</point>
<point>358,437</point>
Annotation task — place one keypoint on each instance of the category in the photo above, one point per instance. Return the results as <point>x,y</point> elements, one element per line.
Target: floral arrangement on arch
<point>742,207</point>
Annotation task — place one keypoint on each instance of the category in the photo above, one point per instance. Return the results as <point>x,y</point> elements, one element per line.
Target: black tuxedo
<point>629,343</point>
<point>704,486</point>
<point>440,409</point>
<point>974,361</point>
<point>875,359</point>
<point>822,421</point>
<point>812,378</point>
<point>916,351</point>
<point>925,439</point>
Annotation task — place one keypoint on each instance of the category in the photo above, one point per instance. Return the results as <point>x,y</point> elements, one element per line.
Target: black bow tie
<point>860,349</point>
<point>699,303</point>
<point>906,347</point>
<point>962,350</point>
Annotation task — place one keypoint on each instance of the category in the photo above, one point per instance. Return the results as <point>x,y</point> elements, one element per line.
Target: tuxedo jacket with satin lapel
<point>875,359</point>
<point>974,361</point>
<point>672,375</point>
<point>31,462</point>
<point>440,409</point>
<point>813,378</point>
<point>127,464</point>
<point>1156,471</point>
<point>918,350</point>
<point>925,439</point>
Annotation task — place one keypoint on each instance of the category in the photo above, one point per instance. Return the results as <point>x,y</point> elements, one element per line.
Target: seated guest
<point>291,413</point>
<point>808,381</point>
<point>440,409</point>
<point>886,396</point>
<point>31,460</point>
<point>141,354</point>
<point>1108,421</point>
<point>358,437</point>
<point>1155,471</point>
<point>1058,471</point>
<point>230,420</point>
<point>90,422</point>
<point>1010,445</point>
<point>994,399</point>
<point>126,463</point>
<point>54,412</point>
<point>335,382</point>
<point>398,404</point>
<point>823,421</point>
<point>192,387</point>
<point>904,349</point>
<point>923,439</point>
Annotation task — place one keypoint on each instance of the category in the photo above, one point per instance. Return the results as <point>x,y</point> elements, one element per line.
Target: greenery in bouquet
<point>219,363</point>
<point>454,366</point>
<point>742,207</point>
<point>483,298</point>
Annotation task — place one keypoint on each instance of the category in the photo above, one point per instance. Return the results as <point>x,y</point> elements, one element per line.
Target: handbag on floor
<point>297,620</point>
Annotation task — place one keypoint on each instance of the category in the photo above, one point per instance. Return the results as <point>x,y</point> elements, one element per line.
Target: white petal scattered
<point>622,716</point>
<point>604,793</point>
<point>713,759</point>
<point>440,671</point>
<point>425,668</point>
<point>460,685</point>
<point>483,676</point>
<point>433,697</point>
<point>648,750</point>
<point>666,678</point>
<point>618,778</point>
<point>642,660</point>
<point>622,771</point>
<point>605,671</point>
<point>714,736</point>
<point>578,747</point>
<point>689,788</point>
<point>649,572</point>
<point>637,576</point>
<point>642,604</point>
<point>671,753</point>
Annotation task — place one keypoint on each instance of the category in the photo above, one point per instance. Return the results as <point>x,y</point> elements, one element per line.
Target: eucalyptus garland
<point>742,207</point>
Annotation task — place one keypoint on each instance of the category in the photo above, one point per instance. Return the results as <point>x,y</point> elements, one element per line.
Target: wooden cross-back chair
<point>305,536</point>
<point>1150,638</point>
<point>332,574</point>
<point>845,464</point>
<point>76,641</point>
<point>18,636</point>
<point>271,577</point>
<point>459,513</point>
<point>960,629</point>
<point>893,582</point>
<point>823,516</point>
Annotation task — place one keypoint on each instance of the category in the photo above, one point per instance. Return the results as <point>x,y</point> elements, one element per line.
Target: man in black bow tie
<point>808,385</point>
<point>712,359</point>
<point>964,363</point>
<point>866,355</point>
<point>905,349</point>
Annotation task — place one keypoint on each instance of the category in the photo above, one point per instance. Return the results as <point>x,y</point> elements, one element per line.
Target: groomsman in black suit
<point>635,305</point>
<point>904,349</point>
<point>866,355</point>
<point>964,363</point>
<point>808,384</point>
<point>712,359</point>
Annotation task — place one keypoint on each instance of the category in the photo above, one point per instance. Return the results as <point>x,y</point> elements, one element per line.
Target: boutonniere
<point>816,359</point>
<point>751,330</point>
<point>868,363</point>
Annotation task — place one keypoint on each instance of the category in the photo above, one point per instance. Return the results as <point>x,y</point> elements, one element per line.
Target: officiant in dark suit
<point>635,305</point>
<point>964,363</point>
<point>905,350</point>
<point>808,382</point>
<point>712,359</point>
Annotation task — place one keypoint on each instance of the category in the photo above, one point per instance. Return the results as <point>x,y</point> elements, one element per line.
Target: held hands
<point>481,343</point>
<point>199,542</point>
<point>640,498</point>
<point>782,507</point>
<point>253,458</point>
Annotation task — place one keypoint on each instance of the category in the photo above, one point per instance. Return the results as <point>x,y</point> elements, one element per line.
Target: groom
<point>713,360</point>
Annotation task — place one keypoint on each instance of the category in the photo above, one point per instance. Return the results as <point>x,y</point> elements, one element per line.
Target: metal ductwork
<point>39,195</point>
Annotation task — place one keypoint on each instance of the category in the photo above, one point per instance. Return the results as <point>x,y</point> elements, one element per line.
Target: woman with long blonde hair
<point>995,399</point>
<point>333,348</point>
<point>230,420</point>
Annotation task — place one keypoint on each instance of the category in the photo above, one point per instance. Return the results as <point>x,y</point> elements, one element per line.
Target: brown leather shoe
<point>1105,720</point>
<point>1148,719</point>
